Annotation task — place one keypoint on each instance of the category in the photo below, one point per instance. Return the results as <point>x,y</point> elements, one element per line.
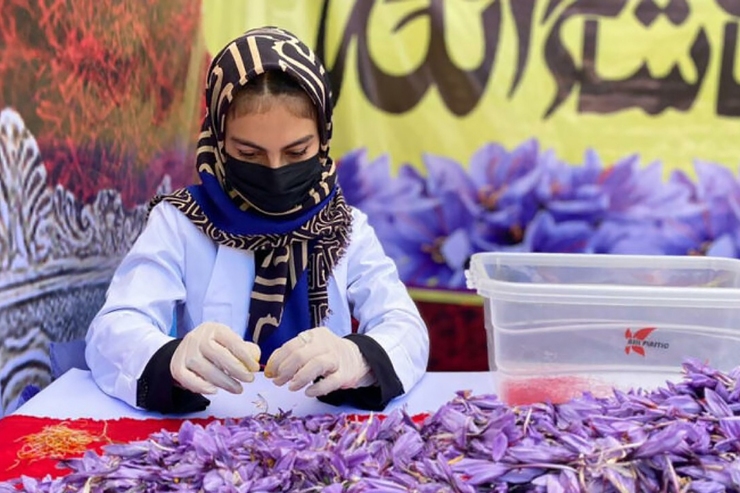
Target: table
<point>75,395</point>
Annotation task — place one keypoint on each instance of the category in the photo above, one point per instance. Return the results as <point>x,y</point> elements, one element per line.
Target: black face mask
<point>273,190</point>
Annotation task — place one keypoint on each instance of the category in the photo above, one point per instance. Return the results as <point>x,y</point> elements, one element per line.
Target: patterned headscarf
<point>301,247</point>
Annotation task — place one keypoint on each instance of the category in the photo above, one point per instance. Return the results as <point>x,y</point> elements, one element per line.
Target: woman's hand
<point>214,356</point>
<point>319,353</point>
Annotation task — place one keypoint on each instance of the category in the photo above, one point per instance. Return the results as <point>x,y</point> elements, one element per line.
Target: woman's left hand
<point>319,353</point>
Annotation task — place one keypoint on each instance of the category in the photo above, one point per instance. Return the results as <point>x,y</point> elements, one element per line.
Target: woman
<point>263,262</point>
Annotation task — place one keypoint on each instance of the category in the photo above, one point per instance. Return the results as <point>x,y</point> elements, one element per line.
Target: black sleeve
<point>376,397</point>
<point>156,389</point>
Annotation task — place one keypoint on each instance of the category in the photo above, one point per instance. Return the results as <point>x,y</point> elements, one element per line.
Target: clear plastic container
<point>562,324</point>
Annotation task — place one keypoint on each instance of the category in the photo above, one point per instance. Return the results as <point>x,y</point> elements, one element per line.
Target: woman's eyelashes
<point>292,154</point>
<point>297,153</point>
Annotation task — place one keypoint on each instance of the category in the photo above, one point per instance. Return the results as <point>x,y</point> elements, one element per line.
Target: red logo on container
<point>636,341</point>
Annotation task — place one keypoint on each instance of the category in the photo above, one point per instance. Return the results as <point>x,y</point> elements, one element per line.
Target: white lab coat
<point>172,261</point>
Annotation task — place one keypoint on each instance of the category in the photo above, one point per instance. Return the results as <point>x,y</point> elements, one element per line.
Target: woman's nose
<point>275,161</point>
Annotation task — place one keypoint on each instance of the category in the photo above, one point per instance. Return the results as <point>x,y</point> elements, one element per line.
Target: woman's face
<point>274,138</point>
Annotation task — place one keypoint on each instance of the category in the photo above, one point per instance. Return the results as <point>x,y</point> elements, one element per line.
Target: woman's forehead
<point>247,101</point>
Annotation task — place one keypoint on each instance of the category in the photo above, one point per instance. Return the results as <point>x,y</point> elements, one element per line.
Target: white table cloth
<point>75,395</point>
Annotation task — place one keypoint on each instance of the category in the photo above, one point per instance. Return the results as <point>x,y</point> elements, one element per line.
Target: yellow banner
<point>444,77</point>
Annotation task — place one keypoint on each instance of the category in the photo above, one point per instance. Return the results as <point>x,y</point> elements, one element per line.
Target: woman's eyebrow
<point>302,140</point>
<point>244,142</point>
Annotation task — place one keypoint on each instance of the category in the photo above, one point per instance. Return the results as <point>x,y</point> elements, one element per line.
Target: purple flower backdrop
<point>526,199</point>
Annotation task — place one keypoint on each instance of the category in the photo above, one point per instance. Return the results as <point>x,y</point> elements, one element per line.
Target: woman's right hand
<point>211,356</point>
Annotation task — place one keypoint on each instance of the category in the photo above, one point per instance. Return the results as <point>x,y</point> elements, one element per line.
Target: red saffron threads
<point>57,442</point>
<point>532,390</point>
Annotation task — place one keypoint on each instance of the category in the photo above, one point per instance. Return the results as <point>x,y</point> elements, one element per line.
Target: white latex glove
<point>319,353</point>
<point>213,356</point>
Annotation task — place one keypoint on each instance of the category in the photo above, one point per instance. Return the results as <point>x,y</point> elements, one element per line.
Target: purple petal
<point>706,486</point>
<point>480,471</point>
<point>664,441</point>
<point>406,448</point>
<point>685,403</point>
<point>716,405</point>
<point>499,444</point>
<point>730,426</point>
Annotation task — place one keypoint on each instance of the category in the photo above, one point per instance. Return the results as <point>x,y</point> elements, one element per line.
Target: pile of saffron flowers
<point>684,436</point>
